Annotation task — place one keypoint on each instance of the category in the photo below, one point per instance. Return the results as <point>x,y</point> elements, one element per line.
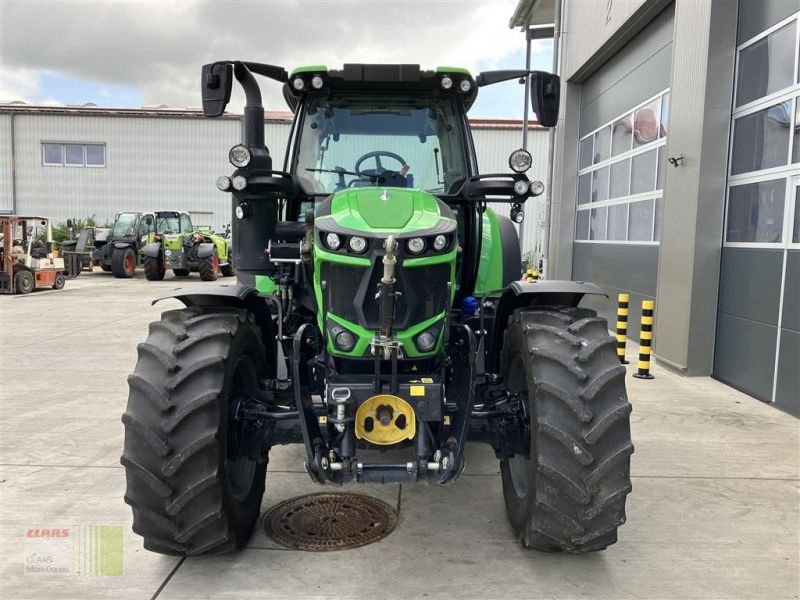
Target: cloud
<point>158,47</point>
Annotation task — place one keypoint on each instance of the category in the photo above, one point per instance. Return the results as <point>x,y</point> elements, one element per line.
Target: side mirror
<point>69,223</point>
<point>216,82</point>
<point>545,97</point>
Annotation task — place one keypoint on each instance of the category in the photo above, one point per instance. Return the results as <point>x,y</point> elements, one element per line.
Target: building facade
<point>677,176</point>
<point>76,162</point>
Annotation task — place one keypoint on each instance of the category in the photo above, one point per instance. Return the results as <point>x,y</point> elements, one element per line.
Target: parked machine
<point>378,306</point>
<point>26,256</point>
<point>121,253</point>
<point>179,246</point>
<point>80,249</point>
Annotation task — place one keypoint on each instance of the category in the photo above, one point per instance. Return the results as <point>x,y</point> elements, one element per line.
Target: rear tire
<point>189,495</point>
<point>123,262</point>
<point>24,282</point>
<point>153,268</point>
<point>59,281</point>
<point>569,495</point>
<point>209,267</point>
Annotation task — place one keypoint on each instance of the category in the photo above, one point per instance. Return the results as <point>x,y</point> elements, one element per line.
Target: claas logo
<point>37,533</point>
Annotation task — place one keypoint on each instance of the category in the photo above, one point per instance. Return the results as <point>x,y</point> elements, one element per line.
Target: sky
<point>136,53</point>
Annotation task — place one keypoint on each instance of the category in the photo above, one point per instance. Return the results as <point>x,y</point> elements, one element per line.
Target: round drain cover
<point>335,521</point>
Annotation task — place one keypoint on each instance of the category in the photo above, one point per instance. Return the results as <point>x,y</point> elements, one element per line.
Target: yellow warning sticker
<point>417,390</point>
<point>427,380</point>
<point>323,419</point>
<point>447,419</point>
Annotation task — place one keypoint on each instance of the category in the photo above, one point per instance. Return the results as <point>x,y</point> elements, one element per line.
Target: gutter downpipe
<point>13,166</point>
<point>545,274</point>
<point>525,114</point>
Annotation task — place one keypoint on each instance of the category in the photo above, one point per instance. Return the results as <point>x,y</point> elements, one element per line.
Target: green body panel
<point>490,268</point>
<point>309,69</point>
<point>173,241</point>
<point>404,212</point>
<point>219,242</point>
<point>363,209</point>
<point>453,70</point>
<point>266,285</point>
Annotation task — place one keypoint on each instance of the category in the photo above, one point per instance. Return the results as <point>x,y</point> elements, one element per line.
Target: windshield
<point>373,141</point>
<point>125,225</point>
<point>167,223</point>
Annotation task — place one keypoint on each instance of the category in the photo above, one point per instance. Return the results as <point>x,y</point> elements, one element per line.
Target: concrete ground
<point>715,510</point>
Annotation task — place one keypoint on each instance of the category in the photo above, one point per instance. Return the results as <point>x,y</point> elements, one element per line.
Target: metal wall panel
<point>787,387</point>
<point>151,163</point>
<point>639,71</point>
<point>618,269</point>
<point>750,284</point>
<point>5,164</point>
<point>745,355</point>
<point>492,147</point>
<point>595,23</point>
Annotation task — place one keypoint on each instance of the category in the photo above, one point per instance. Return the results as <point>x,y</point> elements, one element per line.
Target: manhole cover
<point>320,522</point>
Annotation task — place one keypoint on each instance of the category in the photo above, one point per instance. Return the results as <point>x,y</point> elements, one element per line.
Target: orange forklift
<point>26,255</point>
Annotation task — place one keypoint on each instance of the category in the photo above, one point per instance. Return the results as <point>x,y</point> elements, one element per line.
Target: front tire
<point>190,494</point>
<point>59,282</point>
<point>24,282</point>
<point>209,267</point>
<point>569,494</point>
<point>227,270</point>
<point>123,262</point>
<point>153,268</point>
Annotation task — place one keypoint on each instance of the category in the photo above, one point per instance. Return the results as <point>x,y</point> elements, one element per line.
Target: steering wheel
<point>380,170</point>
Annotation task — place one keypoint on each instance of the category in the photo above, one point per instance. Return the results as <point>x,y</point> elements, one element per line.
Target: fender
<point>236,296</point>
<point>153,250</point>
<point>204,250</point>
<point>123,245</point>
<point>524,294</point>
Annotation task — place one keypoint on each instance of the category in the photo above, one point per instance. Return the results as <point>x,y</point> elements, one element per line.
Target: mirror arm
<point>492,77</point>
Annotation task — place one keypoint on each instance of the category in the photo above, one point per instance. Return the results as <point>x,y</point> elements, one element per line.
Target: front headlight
<point>416,245</point>
<point>520,160</point>
<point>239,156</point>
<point>521,187</point>
<point>357,244</point>
<point>333,241</point>
<point>439,242</point>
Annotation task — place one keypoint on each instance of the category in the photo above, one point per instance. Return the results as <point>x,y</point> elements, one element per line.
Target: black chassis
<point>476,406</point>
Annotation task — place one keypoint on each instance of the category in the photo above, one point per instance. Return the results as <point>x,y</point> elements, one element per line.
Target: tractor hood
<point>379,210</point>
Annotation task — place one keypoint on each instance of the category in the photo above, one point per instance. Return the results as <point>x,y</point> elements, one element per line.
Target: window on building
<point>60,154</point>
<point>765,145</point>
<point>621,176</point>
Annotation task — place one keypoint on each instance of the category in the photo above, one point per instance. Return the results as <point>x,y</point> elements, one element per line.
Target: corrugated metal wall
<point>162,162</point>
<point>493,147</point>
<point>5,163</point>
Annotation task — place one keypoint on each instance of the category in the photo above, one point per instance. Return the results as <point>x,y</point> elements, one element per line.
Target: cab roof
<point>381,78</point>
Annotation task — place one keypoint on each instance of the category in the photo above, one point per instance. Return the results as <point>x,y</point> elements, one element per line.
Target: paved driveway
<point>715,510</point>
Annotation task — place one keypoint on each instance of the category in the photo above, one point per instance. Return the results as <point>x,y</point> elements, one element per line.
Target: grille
<point>350,293</point>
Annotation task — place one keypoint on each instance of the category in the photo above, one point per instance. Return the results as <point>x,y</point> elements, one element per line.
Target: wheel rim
<point>215,263</point>
<point>519,465</point>
<point>241,469</point>
<point>129,262</point>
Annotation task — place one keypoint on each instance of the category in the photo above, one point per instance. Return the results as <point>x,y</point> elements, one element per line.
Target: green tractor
<point>177,245</point>
<point>378,307</point>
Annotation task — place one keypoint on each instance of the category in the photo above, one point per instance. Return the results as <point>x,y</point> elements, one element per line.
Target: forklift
<point>26,256</point>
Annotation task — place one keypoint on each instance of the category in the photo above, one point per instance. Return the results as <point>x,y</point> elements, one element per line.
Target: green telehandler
<point>378,306</point>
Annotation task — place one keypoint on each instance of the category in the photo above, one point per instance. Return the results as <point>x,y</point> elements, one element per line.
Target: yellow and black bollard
<point>645,340</point>
<point>532,276</point>
<point>622,326</point>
